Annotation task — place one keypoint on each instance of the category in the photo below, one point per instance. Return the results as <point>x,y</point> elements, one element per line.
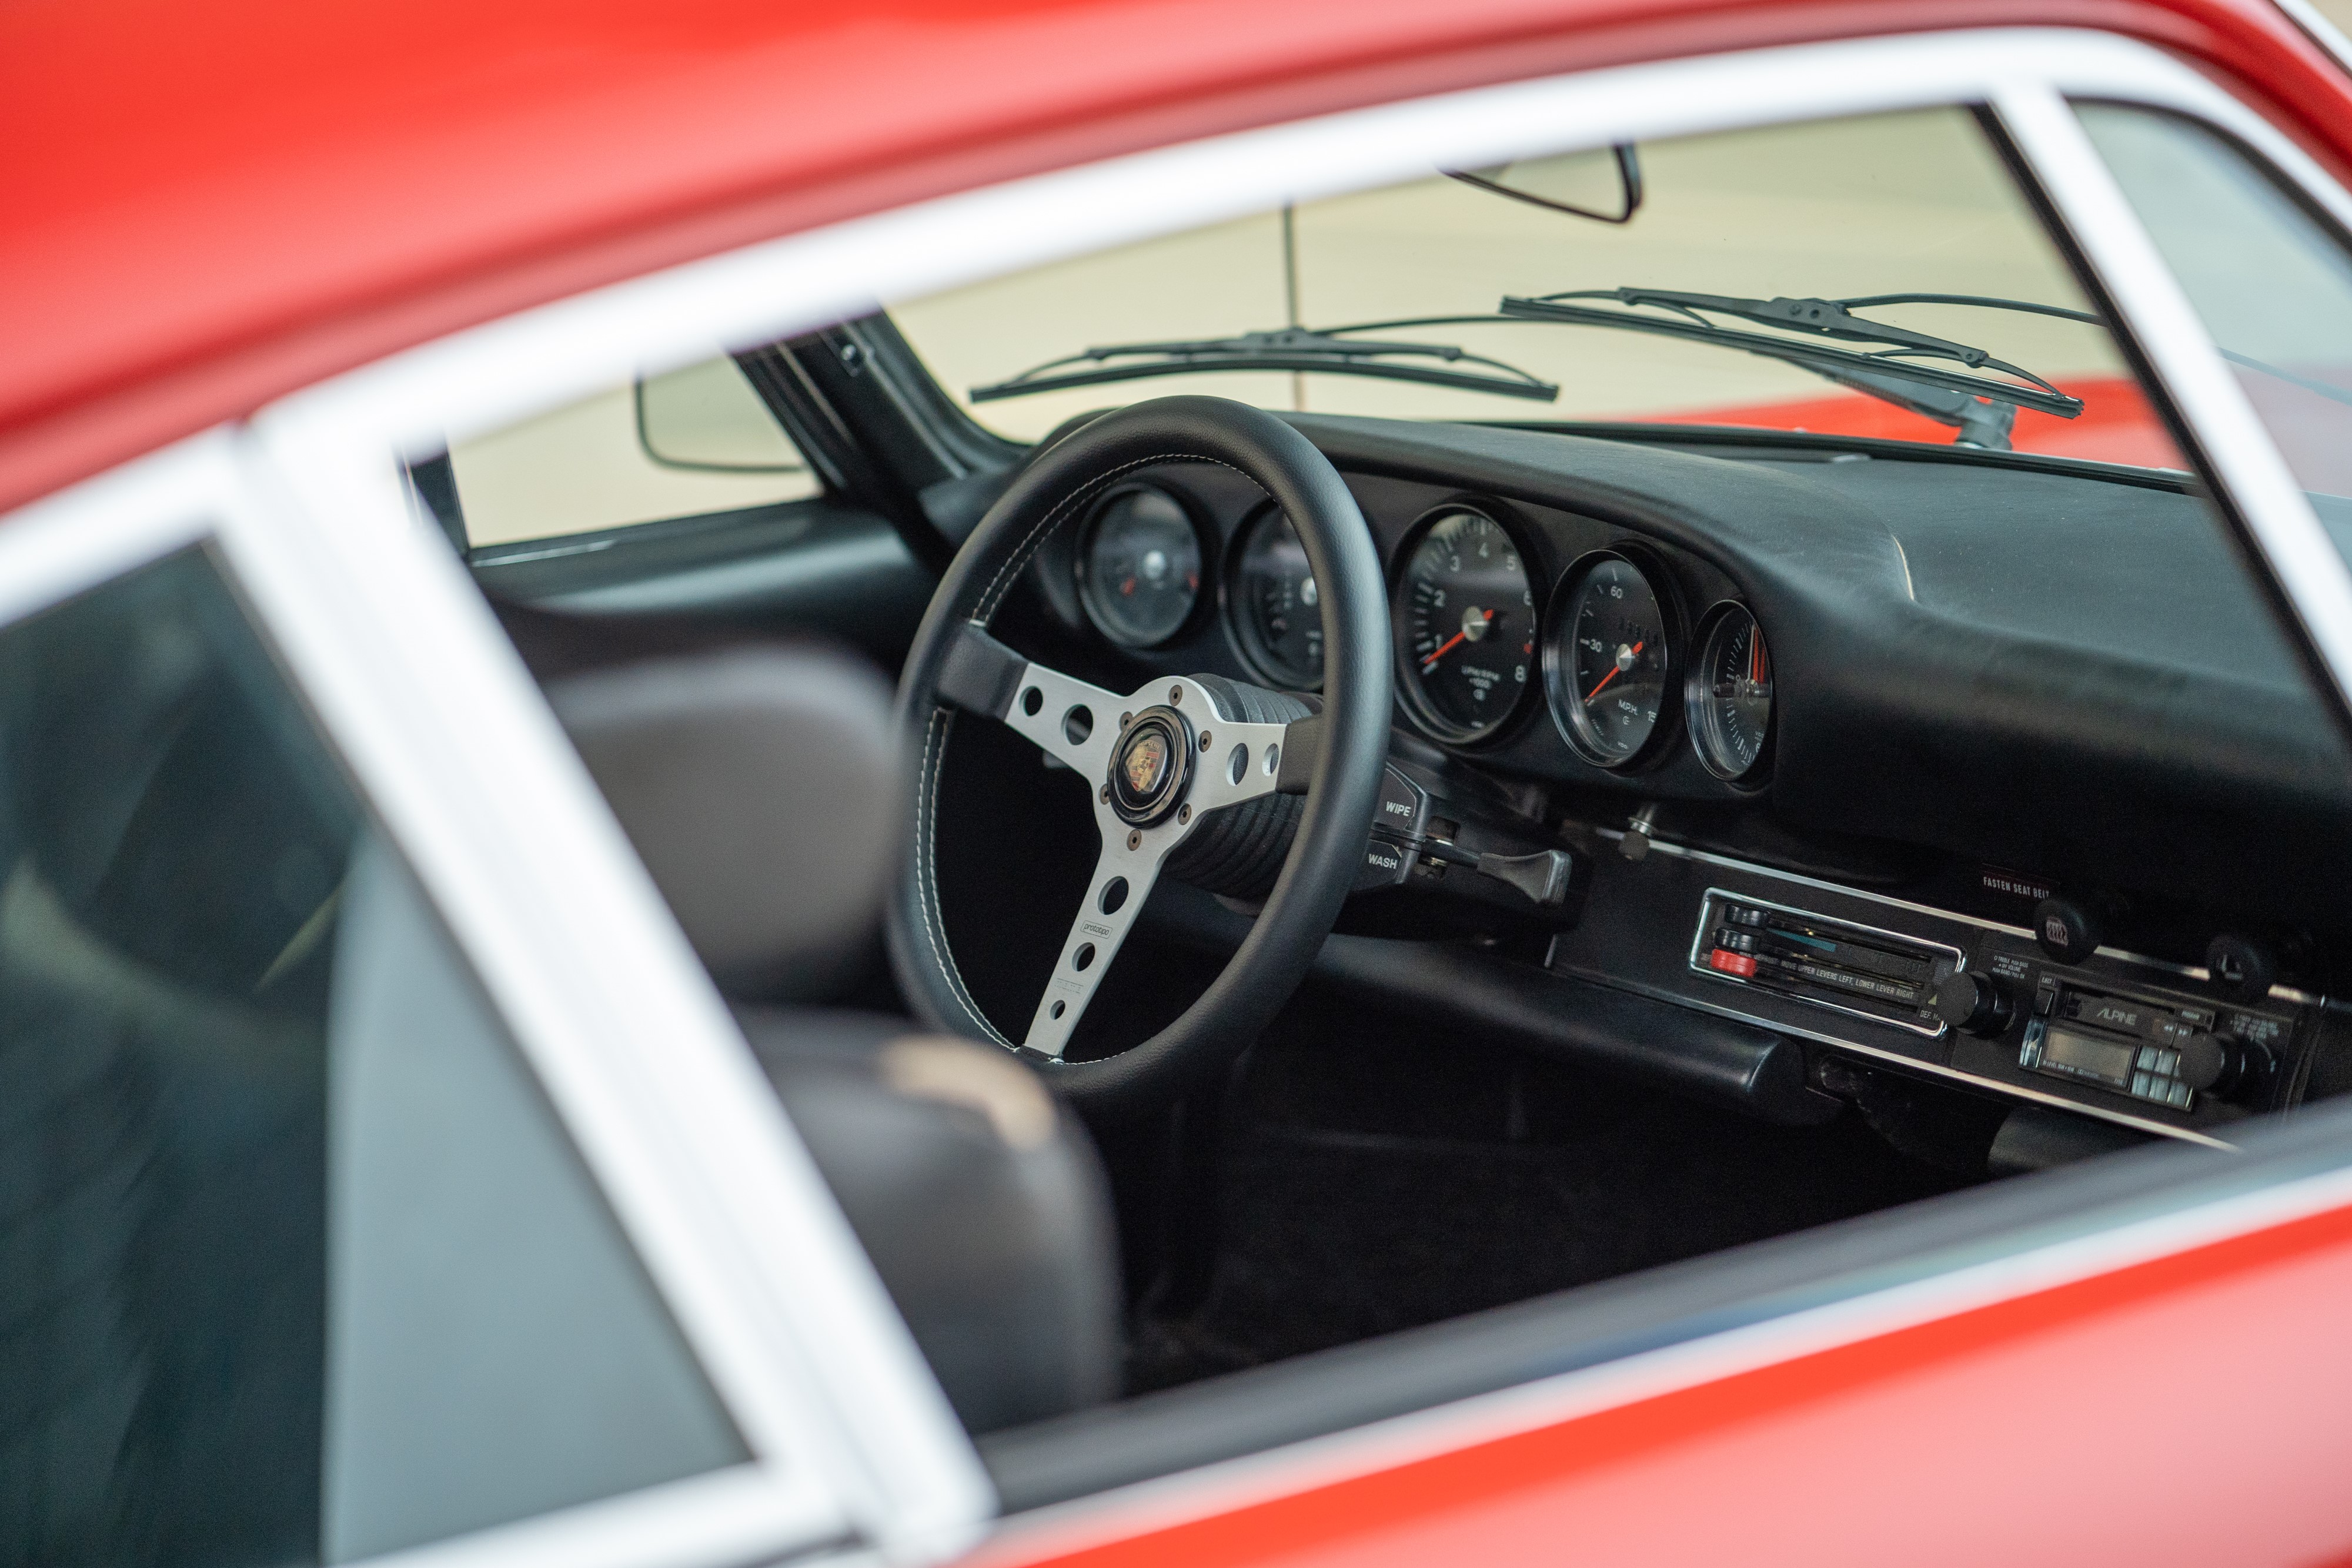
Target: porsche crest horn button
<point>1151,767</point>
<point>1147,764</point>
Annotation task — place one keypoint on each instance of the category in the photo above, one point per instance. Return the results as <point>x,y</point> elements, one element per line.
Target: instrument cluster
<point>1609,647</point>
<point>1484,633</point>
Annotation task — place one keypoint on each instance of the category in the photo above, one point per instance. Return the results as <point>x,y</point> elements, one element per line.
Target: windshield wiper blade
<point>1863,372</point>
<point>2328,390</point>
<point>1327,349</point>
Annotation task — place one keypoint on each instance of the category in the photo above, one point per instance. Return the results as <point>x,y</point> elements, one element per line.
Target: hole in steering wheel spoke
<point>1077,724</point>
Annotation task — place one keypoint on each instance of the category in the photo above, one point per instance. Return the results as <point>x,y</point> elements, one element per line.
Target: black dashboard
<point>1830,726</point>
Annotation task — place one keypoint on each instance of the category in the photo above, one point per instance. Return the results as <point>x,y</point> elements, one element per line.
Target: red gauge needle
<point>1612,675</point>
<point>1756,658</point>
<point>1447,646</point>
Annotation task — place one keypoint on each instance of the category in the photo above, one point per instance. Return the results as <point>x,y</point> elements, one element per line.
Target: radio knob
<point>1975,1004</point>
<point>2204,1061</point>
<point>2219,1065</point>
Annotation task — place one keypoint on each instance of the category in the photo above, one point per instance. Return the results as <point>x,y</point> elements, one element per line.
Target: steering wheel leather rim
<point>1055,492</point>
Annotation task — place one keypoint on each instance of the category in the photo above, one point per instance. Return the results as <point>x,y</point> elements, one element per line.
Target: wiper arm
<point>1329,349</point>
<point>1948,396</point>
<point>1828,318</point>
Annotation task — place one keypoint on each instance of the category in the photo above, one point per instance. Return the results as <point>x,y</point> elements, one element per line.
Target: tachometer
<point>1139,568</point>
<point>1467,622</point>
<point>1277,614</point>
<point>1609,658</point>
<point>1729,694</point>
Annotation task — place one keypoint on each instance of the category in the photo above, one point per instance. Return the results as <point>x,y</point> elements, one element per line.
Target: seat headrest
<point>760,785</point>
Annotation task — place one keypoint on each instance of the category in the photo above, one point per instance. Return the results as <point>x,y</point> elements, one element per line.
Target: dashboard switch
<point>1386,864</point>
<point>1543,876</point>
<point>1403,810</point>
<point>2068,929</point>
<point>1731,963</point>
<point>2242,967</point>
<point>1974,1003</point>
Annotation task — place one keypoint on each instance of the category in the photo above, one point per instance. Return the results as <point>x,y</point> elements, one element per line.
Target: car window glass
<point>1916,203</point>
<point>683,444</point>
<point>299,1265</point>
<point>2272,285</point>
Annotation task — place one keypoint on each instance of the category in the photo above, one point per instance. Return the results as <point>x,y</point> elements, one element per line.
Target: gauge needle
<point>1447,646</point>
<point>1623,660</point>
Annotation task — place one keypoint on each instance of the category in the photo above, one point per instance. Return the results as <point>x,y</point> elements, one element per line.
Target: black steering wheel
<point>1192,768</point>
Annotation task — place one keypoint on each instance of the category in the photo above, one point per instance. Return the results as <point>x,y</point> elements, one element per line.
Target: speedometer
<point>1467,624</point>
<point>1611,656</point>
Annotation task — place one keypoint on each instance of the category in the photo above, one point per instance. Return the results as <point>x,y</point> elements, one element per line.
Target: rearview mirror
<point>707,416</point>
<point>1605,184</point>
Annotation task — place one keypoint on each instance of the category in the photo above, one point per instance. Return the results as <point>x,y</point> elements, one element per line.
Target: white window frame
<point>215,491</point>
<point>855,1444</point>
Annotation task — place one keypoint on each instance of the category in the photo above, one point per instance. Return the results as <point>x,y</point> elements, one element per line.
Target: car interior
<point>1841,782</point>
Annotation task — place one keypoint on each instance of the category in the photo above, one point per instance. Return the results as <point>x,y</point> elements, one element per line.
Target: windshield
<point>1909,204</point>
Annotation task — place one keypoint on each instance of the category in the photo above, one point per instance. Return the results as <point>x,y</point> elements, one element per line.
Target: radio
<point>1854,970</point>
<point>2165,1053</point>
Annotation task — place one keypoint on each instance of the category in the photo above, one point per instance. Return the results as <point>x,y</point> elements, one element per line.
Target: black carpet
<point>1370,1178</point>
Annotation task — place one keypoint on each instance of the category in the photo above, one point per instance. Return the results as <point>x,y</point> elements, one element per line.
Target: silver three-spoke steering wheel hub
<point>1158,773</point>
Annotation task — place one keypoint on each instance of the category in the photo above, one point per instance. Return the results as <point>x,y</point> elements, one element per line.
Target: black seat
<point>759,785</point>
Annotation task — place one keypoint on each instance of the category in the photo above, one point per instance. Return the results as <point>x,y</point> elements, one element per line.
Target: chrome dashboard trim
<point>1837,1043</point>
<point>2289,994</point>
<point>1698,940</point>
<point>2004,1089</point>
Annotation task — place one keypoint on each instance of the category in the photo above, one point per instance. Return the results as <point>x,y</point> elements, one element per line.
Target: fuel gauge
<point>1730,694</point>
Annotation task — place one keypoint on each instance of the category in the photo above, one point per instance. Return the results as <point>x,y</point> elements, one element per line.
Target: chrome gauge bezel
<point>1698,716</point>
<point>1235,608</point>
<point>1416,705</point>
<point>1203,540</point>
<point>1559,665</point>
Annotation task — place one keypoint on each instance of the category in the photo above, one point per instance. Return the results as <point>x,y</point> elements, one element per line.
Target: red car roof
<point>207,206</point>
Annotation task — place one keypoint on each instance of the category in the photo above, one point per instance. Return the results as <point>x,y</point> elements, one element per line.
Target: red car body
<point>208,207</point>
